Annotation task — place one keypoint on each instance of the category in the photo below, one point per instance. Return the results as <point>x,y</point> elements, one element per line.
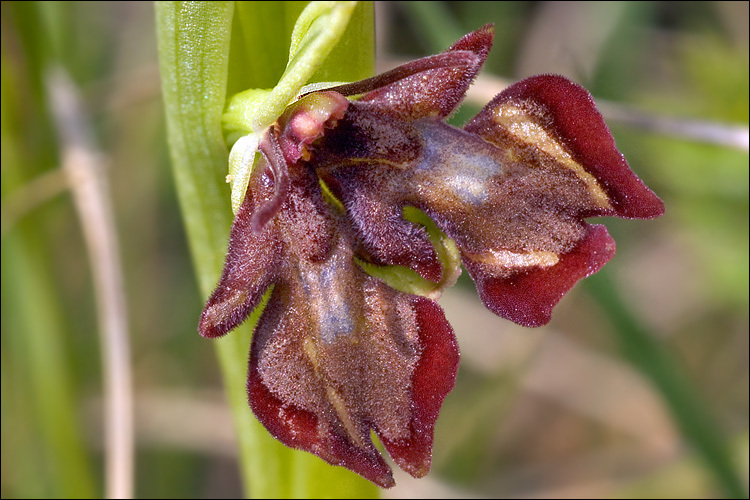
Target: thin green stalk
<point>659,365</point>
<point>196,68</point>
<point>82,163</point>
<point>44,452</point>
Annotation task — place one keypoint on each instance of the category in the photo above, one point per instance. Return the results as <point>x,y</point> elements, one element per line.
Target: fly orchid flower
<point>334,218</point>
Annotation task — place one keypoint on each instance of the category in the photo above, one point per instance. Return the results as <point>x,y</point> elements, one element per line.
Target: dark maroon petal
<point>250,267</point>
<point>365,162</point>
<point>527,295</point>
<point>568,113</point>
<point>434,93</point>
<point>385,237</point>
<point>434,378</point>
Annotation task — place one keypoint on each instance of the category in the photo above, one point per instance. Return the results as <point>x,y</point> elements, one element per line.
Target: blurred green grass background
<point>598,403</point>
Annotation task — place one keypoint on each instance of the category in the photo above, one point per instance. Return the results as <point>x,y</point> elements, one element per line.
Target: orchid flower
<point>359,212</point>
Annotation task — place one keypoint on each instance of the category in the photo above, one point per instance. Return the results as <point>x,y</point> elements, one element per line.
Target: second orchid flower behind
<point>338,352</point>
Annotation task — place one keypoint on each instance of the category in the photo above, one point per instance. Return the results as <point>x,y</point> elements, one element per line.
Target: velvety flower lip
<point>338,353</point>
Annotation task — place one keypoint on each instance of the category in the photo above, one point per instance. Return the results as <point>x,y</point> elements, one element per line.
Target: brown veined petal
<point>337,354</point>
<point>559,118</point>
<point>250,267</point>
<point>525,287</point>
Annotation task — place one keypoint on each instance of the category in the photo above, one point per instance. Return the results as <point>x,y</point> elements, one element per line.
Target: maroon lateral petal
<point>250,267</point>
<point>437,92</point>
<point>528,296</point>
<point>577,123</point>
<point>386,237</point>
<point>434,378</point>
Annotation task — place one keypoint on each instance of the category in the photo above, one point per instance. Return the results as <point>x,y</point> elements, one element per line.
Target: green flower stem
<point>194,55</point>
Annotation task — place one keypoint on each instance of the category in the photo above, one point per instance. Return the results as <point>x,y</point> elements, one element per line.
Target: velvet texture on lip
<point>338,353</point>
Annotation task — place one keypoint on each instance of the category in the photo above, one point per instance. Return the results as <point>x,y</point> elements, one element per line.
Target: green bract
<point>318,29</point>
